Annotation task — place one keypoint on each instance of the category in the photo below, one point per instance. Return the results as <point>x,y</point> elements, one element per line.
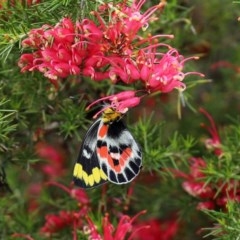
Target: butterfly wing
<point>118,153</point>
<point>87,172</point>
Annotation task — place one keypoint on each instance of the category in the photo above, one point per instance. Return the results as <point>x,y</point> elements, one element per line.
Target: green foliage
<point>227,223</point>
<point>6,125</point>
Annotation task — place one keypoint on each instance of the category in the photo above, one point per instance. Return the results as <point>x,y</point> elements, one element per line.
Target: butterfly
<point>108,153</point>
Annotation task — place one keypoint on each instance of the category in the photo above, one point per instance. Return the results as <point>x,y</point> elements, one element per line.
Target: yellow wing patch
<point>89,179</point>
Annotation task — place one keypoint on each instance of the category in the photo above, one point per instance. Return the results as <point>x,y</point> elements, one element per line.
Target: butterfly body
<point>108,153</point>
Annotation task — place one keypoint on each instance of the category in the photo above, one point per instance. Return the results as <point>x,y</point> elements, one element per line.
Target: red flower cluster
<point>55,160</point>
<point>80,220</point>
<point>124,230</point>
<point>67,219</point>
<point>213,195</point>
<point>52,167</point>
<point>106,49</point>
<point>157,230</point>
<point>62,220</point>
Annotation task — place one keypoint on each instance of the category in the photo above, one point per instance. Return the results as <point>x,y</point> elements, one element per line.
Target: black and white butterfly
<point>108,153</point>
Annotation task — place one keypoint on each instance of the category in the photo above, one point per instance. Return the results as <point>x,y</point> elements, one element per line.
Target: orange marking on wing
<point>126,153</point>
<point>103,131</point>
<point>103,152</point>
<point>104,155</point>
<point>116,168</point>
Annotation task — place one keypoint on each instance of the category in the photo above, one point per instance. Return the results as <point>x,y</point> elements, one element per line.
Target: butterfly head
<point>110,115</point>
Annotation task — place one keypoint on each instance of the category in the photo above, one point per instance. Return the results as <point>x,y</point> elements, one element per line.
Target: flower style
<point>76,193</point>
<point>213,143</point>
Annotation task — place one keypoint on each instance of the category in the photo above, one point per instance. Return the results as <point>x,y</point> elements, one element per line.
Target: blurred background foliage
<point>34,115</point>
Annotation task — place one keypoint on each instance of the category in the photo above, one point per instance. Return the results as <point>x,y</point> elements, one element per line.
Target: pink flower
<point>26,61</point>
<point>54,56</point>
<point>214,194</point>
<point>33,194</point>
<point>55,160</point>
<point>107,49</point>
<point>126,21</point>
<point>36,38</point>
<point>54,223</point>
<point>230,191</point>
<point>198,189</point>
<point>74,220</point>
<point>157,230</point>
<point>162,72</point>
<point>76,193</point>
<point>214,142</point>
<point>210,205</point>
<point>120,102</point>
<point>124,69</point>
<point>195,184</point>
<point>197,165</point>
<point>124,229</point>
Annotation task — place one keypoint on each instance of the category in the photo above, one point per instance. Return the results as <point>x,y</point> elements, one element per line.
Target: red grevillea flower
<point>163,72</point>
<point>198,189</point>
<point>157,230</point>
<point>55,54</point>
<point>120,102</point>
<point>195,184</point>
<point>106,49</point>
<point>74,220</point>
<point>125,22</point>
<point>55,160</point>
<point>214,142</point>
<point>124,228</point>
<point>76,193</point>
<point>211,194</point>
<point>57,222</point>
<point>206,205</point>
<point>33,195</point>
